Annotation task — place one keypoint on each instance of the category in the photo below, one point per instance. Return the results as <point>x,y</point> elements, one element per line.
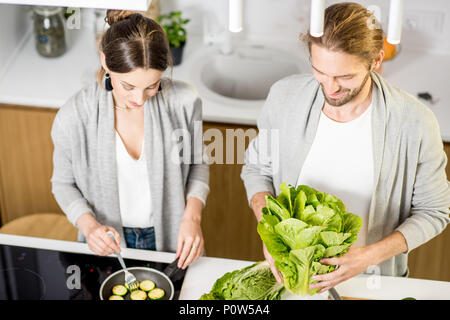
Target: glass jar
<point>49,31</point>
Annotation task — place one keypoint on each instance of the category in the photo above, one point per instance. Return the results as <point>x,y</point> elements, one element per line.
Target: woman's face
<point>134,88</point>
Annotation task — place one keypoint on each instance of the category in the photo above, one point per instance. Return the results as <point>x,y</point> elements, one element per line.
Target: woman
<point>116,157</point>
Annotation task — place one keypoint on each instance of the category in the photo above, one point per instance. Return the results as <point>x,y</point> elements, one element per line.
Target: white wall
<point>14,23</point>
<point>284,19</point>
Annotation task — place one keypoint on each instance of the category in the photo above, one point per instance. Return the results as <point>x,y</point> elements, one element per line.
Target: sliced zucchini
<point>138,295</point>
<point>114,297</point>
<point>156,294</point>
<point>119,290</point>
<point>147,285</point>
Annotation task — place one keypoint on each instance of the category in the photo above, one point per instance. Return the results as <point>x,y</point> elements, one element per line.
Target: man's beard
<point>341,101</point>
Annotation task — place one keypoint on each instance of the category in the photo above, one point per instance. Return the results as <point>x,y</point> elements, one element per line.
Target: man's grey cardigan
<point>85,175</point>
<point>411,192</point>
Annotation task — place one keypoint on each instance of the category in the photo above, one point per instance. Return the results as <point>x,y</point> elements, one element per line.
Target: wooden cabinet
<point>229,226</point>
<point>26,152</point>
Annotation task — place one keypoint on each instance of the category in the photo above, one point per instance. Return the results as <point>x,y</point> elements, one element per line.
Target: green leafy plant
<point>172,24</point>
<point>255,282</point>
<point>300,227</point>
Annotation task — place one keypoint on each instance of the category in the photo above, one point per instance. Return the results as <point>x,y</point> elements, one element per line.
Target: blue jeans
<point>138,238</point>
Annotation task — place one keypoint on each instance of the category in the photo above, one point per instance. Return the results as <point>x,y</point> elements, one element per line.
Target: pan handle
<point>173,272</point>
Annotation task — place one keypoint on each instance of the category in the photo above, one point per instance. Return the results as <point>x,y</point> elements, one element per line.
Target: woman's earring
<point>108,85</point>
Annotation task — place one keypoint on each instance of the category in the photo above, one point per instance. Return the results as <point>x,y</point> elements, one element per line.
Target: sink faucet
<point>213,34</point>
<point>226,47</point>
<point>216,35</point>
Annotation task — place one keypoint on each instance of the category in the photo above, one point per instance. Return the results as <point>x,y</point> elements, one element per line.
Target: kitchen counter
<point>32,80</point>
<point>202,274</point>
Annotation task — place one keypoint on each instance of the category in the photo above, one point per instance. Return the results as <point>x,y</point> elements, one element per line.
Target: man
<point>347,132</point>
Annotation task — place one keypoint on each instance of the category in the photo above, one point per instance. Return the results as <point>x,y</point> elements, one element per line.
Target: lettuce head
<point>302,226</point>
<point>255,282</point>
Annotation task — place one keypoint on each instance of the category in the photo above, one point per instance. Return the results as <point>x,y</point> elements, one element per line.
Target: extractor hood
<point>138,5</point>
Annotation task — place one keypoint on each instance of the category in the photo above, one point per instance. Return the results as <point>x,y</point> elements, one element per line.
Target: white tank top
<point>134,188</point>
<point>340,162</point>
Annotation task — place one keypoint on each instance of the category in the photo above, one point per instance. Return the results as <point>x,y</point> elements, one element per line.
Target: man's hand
<point>258,202</point>
<point>276,273</point>
<point>354,262</point>
<point>358,259</point>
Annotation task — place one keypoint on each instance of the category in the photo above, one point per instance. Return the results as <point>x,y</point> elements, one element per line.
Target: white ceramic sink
<point>243,77</point>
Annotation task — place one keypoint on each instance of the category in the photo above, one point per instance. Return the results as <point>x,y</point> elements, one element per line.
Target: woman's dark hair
<point>133,41</point>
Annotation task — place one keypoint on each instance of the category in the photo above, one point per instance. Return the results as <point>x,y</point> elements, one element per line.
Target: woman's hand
<point>97,239</point>
<point>190,244</point>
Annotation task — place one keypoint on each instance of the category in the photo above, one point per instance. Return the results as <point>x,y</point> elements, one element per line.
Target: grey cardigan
<point>84,174</point>
<point>411,191</point>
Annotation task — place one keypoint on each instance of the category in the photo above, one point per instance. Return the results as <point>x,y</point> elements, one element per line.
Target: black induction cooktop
<point>39,274</point>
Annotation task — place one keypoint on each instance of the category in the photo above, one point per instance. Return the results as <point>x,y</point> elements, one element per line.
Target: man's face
<point>342,76</point>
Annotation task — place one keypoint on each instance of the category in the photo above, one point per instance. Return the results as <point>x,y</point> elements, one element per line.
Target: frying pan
<point>162,280</point>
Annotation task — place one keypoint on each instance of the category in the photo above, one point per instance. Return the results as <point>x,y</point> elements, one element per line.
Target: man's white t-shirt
<point>340,162</point>
<point>134,188</point>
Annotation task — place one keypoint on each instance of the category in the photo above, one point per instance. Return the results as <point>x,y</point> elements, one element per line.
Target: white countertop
<point>48,82</point>
<point>33,80</point>
<point>202,274</point>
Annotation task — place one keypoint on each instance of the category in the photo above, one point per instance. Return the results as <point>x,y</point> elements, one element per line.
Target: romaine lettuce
<point>302,226</point>
<point>255,282</point>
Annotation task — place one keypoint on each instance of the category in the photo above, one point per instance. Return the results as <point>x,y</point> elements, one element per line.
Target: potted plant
<point>172,24</point>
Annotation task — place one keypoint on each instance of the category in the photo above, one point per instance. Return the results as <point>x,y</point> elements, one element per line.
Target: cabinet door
<point>26,162</point>
<point>229,225</point>
<point>432,259</point>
